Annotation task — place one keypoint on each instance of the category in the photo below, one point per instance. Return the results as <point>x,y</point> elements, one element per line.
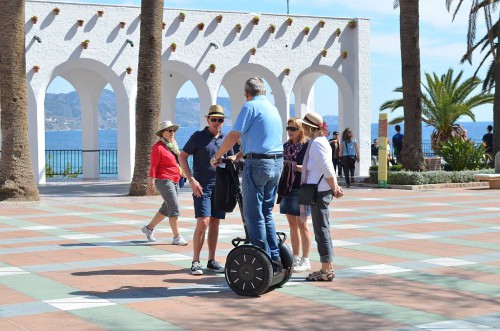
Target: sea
<point>108,138</point>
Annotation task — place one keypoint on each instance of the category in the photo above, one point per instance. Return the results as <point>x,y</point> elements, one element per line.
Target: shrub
<point>427,177</point>
<point>462,154</point>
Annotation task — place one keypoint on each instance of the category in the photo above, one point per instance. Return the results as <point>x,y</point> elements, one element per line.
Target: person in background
<point>390,158</point>
<point>203,145</point>
<point>335,144</point>
<point>397,143</point>
<point>349,152</point>
<point>259,127</point>
<point>374,152</point>
<point>293,153</point>
<point>488,142</point>
<point>164,175</point>
<point>318,167</point>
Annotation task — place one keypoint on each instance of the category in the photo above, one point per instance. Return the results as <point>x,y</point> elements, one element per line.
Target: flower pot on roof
<point>344,54</point>
<point>128,70</point>
<point>34,19</point>
<point>255,20</point>
<point>321,24</point>
<point>173,47</point>
<point>289,21</point>
<point>201,26</point>
<point>80,22</point>
<point>337,32</point>
<point>272,28</point>
<point>163,25</point>
<point>352,24</point>
<point>253,50</point>
<point>286,71</point>
<point>85,43</point>
<point>36,68</point>
<point>100,13</point>
<point>237,27</point>
<point>56,10</point>
<point>306,30</point>
<point>324,52</point>
<point>181,16</point>
<point>218,18</point>
<point>122,25</point>
<point>212,68</point>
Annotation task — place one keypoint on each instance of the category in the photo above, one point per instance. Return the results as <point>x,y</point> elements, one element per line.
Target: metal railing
<point>70,162</point>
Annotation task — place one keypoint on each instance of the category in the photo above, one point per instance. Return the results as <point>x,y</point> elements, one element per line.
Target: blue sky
<point>442,42</point>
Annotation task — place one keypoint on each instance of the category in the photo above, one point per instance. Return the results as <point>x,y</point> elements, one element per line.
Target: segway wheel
<point>286,256</point>
<point>249,271</point>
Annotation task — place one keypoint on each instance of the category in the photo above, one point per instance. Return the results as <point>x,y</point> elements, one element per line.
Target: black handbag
<point>308,193</point>
<point>225,196</point>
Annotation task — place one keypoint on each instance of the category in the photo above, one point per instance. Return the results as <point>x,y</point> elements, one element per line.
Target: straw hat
<point>313,120</point>
<point>215,111</point>
<point>166,125</point>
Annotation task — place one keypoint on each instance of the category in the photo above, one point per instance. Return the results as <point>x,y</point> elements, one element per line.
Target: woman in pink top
<point>164,175</point>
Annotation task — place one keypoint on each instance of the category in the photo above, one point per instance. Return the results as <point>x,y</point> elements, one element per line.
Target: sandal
<point>321,276</point>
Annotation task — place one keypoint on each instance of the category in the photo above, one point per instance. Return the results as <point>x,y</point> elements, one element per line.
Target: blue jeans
<point>259,187</point>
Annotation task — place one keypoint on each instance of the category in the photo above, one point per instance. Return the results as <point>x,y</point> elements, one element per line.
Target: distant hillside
<point>62,111</point>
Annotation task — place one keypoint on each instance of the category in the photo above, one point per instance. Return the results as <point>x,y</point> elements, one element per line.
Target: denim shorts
<point>290,204</point>
<point>204,206</point>
<point>169,192</point>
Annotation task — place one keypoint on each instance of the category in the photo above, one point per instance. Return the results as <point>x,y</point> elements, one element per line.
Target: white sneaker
<point>179,241</point>
<point>149,233</point>
<point>296,262</point>
<point>304,265</point>
<point>196,268</point>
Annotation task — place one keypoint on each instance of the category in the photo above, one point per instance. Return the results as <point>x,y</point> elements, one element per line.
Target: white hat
<point>166,125</point>
<point>313,120</point>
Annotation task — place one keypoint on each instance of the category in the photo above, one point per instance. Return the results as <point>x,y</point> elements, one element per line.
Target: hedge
<point>429,177</point>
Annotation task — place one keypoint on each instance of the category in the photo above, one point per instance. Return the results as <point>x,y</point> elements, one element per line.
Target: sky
<point>442,42</point>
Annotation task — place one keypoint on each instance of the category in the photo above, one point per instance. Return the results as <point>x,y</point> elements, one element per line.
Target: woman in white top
<point>318,167</point>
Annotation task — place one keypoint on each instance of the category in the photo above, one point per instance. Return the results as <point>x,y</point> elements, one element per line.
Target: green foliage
<point>67,172</point>
<point>397,167</point>
<point>462,154</point>
<point>428,177</point>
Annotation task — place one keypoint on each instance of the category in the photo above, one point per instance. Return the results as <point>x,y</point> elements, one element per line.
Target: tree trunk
<point>148,104</point>
<point>16,172</point>
<point>413,156</point>
<point>496,100</point>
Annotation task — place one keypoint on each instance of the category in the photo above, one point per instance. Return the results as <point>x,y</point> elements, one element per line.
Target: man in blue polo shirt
<point>260,129</point>
<point>203,145</point>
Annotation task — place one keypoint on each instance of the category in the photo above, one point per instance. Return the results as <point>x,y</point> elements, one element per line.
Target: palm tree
<point>493,33</point>
<point>412,153</point>
<point>148,104</point>
<point>445,100</point>
<point>17,181</point>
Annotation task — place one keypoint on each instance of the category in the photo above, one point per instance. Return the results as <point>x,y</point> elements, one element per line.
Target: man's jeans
<point>259,187</point>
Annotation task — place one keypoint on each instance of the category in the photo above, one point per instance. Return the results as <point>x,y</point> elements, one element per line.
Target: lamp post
<point>288,6</point>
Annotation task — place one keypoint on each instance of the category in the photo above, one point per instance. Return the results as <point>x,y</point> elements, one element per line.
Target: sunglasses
<point>169,130</point>
<point>292,128</point>
<point>220,120</point>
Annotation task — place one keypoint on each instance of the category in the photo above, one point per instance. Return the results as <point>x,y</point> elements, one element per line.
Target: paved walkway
<point>405,260</point>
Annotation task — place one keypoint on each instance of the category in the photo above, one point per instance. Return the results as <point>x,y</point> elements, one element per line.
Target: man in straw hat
<point>203,145</point>
<point>260,129</point>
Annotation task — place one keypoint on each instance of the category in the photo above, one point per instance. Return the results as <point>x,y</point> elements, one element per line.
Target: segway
<point>249,269</point>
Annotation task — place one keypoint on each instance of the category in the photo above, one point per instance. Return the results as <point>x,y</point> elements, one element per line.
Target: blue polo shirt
<point>260,126</point>
<point>203,145</point>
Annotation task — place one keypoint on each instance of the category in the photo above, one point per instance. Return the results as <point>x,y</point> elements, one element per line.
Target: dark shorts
<point>290,204</point>
<point>204,205</point>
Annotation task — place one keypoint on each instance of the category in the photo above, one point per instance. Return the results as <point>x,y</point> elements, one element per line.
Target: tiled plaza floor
<point>405,260</point>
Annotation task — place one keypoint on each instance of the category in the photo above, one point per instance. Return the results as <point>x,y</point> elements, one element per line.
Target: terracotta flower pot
<point>212,68</point>
<point>218,18</point>
<point>128,70</point>
<point>122,25</point>
<point>56,11</point>
<point>80,22</point>
<point>100,13</point>
<point>36,68</point>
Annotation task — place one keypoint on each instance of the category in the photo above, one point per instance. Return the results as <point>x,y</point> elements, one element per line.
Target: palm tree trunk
<point>413,156</point>
<point>148,91</point>
<point>496,102</point>
<point>17,181</point>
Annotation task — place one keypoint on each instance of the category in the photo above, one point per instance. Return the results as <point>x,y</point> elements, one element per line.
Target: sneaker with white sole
<point>149,233</point>
<point>214,266</point>
<point>296,262</point>
<point>304,265</point>
<point>196,268</point>
<point>179,241</point>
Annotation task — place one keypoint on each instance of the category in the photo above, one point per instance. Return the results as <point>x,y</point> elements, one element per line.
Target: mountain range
<point>63,111</point>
